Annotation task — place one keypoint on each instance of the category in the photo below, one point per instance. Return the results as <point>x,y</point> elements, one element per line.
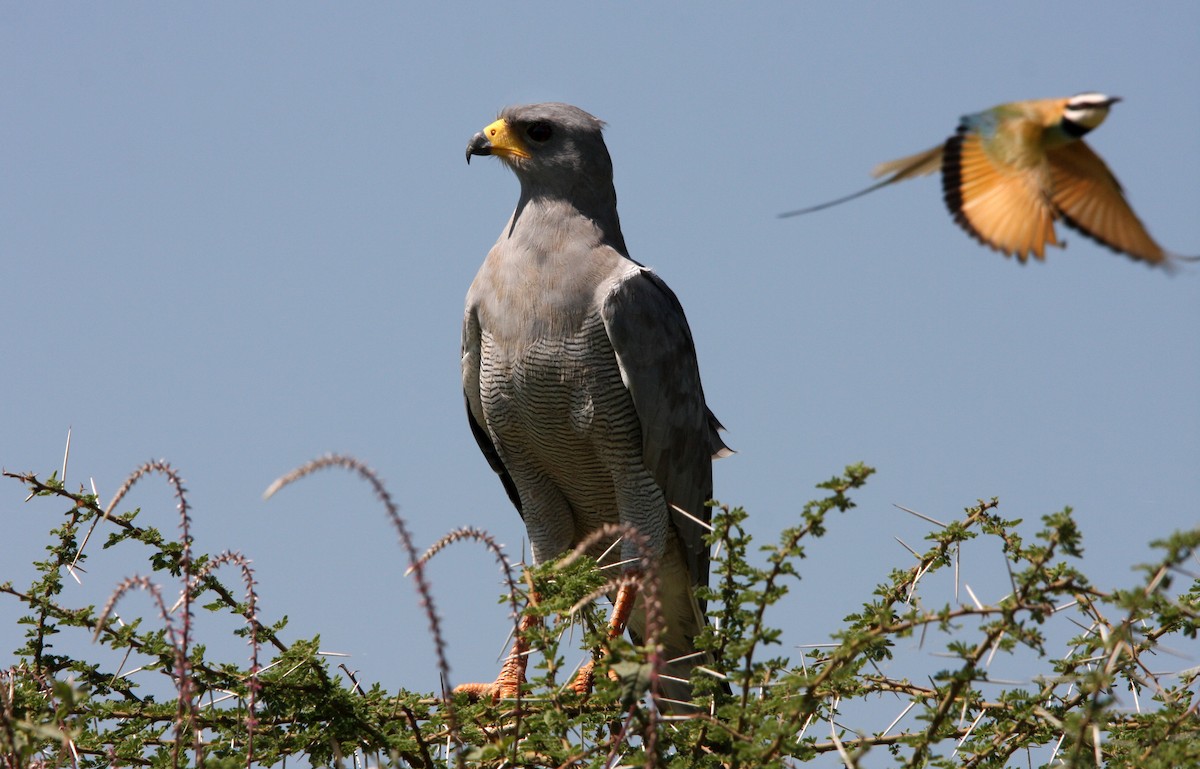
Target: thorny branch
<point>294,706</point>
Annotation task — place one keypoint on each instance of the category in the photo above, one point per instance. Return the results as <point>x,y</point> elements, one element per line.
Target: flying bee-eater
<point>1009,172</point>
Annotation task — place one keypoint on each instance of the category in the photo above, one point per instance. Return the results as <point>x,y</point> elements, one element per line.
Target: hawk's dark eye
<point>539,131</point>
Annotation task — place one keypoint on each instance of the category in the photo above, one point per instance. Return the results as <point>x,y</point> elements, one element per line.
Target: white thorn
<point>922,516</point>
<point>909,549</point>
<point>691,517</point>
<point>971,593</point>
<point>66,453</point>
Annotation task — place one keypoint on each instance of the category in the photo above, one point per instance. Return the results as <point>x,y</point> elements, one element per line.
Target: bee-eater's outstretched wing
<point>999,206</point>
<point>1089,198</point>
<point>905,168</point>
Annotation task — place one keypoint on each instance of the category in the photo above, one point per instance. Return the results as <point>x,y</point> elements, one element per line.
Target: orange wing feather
<point>1089,198</point>
<point>1001,208</point>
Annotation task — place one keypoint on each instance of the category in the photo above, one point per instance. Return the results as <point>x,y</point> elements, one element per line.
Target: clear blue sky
<point>239,236</point>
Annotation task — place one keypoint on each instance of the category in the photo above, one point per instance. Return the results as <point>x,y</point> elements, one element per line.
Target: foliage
<point>756,706</point>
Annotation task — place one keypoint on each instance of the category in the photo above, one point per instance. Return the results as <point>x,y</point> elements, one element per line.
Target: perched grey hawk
<point>581,380</point>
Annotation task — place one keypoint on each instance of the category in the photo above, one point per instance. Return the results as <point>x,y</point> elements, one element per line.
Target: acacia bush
<point>755,705</point>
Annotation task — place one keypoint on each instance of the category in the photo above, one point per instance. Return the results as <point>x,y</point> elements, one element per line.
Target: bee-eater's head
<point>1087,110</point>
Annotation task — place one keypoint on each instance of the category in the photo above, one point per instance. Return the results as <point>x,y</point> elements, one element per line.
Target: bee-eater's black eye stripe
<point>1071,128</point>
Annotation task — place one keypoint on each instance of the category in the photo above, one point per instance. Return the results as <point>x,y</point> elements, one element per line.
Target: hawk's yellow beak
<point>497,139</point>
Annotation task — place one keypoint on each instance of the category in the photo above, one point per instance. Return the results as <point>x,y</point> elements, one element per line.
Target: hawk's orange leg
<point>622,608</point>
<point>512,673</point>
